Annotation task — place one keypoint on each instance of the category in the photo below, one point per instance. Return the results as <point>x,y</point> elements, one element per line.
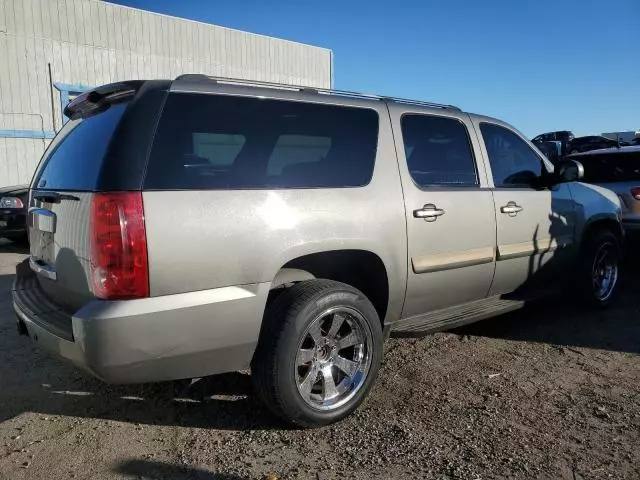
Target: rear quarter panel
<point>201,240</point>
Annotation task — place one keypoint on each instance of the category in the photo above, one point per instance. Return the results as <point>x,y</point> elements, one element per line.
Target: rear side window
<point>75,157</point>
<point>438,151</point>
<point>611,168</point>
<point>223,142</point>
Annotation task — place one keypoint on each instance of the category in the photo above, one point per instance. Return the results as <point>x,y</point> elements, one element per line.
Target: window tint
<point>513,162</point>
<point>224,142</point>
<point>297,149</point>
<point>217,149</point>
<point>611,168</point>
<point>77,152</point>
<point>438,151</point>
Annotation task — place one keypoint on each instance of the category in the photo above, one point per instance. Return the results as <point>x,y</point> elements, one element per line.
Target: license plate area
<point>43,220</point>
<point>43,227</point>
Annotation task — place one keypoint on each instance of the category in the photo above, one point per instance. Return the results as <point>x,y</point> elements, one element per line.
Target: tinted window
<point>217,149</point>
<point>295,150</point>
<point>223,142</point>
<point>74,158</point>
<point>438,151</point>
<point>611,168</point>
<point>513,162</point>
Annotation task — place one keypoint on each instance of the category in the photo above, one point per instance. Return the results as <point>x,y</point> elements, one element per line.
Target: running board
<point>460,315</point>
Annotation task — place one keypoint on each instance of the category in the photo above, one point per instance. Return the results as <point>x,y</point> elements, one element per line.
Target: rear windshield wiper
<point>54,197</point>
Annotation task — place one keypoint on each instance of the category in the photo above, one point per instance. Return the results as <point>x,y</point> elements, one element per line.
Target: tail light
<point>636,193</point>
<point>11,202</point>
<point>119,263</point>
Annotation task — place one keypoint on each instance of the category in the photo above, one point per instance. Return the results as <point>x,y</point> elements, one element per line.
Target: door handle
<point>429,212</point>
<point>512,209</point>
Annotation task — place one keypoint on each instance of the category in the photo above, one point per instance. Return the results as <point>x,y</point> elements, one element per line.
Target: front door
<point>450,218</point>
<point>535,225</point>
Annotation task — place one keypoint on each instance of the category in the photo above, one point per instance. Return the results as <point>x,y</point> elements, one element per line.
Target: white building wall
<point>89,43</point>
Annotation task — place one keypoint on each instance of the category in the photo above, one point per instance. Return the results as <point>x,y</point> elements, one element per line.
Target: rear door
<point>449,210</point>
<point>101,148</point>
<point>60,206</point>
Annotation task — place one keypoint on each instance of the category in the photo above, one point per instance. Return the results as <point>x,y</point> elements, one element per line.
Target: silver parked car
<point>617,169</point>
<point>191,227</point>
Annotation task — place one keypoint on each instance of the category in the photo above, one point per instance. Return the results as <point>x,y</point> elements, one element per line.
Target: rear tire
<point>598,269</point>
<point>319,353</point>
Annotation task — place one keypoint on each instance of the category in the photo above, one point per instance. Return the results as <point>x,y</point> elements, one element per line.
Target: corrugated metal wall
<point>89,43</point>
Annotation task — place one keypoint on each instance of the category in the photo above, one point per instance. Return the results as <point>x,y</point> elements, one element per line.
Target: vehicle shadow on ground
<point>560,321</point>
<point>151,470</point>
<point>36,381</point>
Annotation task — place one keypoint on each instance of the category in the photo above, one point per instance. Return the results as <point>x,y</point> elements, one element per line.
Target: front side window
<point>438,151</point>
<point>207,142</point>
<point>513,162</point>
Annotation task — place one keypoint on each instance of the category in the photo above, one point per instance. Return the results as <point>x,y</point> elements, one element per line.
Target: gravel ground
<point>547,392</point>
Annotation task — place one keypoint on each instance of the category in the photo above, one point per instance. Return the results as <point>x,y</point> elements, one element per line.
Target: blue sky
<point>541,65</point>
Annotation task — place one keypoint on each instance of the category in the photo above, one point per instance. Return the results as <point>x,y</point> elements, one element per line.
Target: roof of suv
<point>232,86</point>
<point>205,83</point>
<point>200,83</point>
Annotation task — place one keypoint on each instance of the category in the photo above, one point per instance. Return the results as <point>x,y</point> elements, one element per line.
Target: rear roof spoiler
<point>98,98</point>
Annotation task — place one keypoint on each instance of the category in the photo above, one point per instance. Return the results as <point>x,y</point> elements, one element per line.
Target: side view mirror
<point>568,171</point>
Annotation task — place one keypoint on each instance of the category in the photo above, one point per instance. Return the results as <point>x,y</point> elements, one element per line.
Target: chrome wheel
<point>605,271</point>
<point>333,358</point>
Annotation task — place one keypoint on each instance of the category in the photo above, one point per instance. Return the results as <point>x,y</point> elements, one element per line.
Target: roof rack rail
<point>321,91</point>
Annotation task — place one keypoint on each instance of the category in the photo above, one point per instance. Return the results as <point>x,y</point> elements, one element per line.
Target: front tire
<point>598,270</point>
<point>319,353</point>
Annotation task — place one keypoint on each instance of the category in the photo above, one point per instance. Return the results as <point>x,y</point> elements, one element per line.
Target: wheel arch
<point>602,222</point>
<point>362,269</point>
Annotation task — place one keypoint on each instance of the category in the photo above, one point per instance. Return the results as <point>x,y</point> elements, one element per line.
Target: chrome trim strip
<point>450,261</point>
<point>527,249</point>
<point>47,272</point>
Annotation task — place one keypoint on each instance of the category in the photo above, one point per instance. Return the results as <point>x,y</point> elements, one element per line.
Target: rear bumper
<point>161,338</point>
<point>12,223</point>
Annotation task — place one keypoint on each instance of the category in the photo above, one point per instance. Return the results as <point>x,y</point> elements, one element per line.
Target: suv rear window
<point>75,156</point>
<point>611,167</point>
<point>209,141</point>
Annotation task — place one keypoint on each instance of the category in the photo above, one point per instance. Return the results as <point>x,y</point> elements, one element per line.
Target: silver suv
<point>191,227</point>
<point>617,169</point>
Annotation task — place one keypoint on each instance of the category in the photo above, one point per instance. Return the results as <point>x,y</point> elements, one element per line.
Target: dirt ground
<point>547,392</point>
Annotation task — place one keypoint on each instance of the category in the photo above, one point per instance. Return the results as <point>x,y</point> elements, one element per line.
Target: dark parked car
<point>549,149</point>
<point>591,142</point>
<point>13,212</point>
<point>563,137</point>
